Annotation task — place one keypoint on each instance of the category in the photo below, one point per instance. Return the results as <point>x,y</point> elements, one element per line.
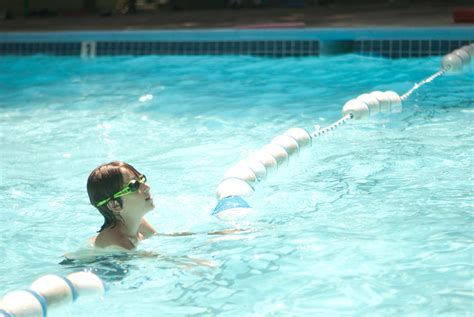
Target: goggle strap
<point>127,190</point>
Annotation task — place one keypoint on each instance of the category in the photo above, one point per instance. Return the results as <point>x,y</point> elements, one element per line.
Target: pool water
<point>375,219</point>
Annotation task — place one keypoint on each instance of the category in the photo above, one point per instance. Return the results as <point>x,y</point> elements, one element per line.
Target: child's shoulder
<point>110,240</point>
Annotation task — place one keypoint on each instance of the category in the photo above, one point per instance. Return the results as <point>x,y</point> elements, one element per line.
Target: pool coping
<point>178,35</point>
<point>398,42</point>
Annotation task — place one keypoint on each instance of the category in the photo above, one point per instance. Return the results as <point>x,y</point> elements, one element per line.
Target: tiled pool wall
<point>390,43</point>
<point>407,48</point>
<point>106,48</point>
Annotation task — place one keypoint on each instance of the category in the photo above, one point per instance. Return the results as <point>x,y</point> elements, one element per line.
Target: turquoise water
<point>375,219</point>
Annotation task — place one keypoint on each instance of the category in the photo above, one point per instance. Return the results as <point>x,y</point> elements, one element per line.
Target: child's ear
<point>114,205</point>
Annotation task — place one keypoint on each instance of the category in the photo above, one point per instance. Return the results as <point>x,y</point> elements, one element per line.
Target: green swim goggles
<point>131,187</point>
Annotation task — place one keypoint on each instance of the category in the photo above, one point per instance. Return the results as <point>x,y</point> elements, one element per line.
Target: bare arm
<point>221,232</point>
<point>146,229</point>
<point>229,231</point>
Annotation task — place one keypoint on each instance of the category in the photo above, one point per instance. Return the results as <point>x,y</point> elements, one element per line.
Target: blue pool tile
<point>445,47</point>
<point>358,46</point>
<point>376,45</point>
<point>297,45</point>
<point>405,45</point>
<point>269,48</point>
<point>425,46</point>
<point>275,48</point>
<point>244,47</point>
<point>396,44</point>
<point>227,47</point>
<point>415,45</point>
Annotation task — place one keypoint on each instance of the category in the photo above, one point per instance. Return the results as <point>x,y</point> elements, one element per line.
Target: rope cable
<point>423,82</point>
<point>333,126</point>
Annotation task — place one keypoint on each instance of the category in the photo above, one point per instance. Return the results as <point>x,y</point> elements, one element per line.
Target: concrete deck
<point>311,16</point>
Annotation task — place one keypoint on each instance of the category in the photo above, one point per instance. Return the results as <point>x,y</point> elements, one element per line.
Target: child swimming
<point>122,196</point>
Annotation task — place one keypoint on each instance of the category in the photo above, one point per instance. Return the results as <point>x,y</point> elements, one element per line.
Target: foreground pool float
<point>23,303</point>
<point>49,292</point>
<point>240,180</point>
<point>232,207</point>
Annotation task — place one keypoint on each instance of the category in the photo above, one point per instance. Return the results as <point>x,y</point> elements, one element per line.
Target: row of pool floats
<point>239,181</point>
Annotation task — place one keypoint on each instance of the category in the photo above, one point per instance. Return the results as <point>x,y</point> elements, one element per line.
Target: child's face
<point>139,202</point>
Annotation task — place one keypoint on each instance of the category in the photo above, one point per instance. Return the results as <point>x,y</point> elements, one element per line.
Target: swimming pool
<point>375,219</point>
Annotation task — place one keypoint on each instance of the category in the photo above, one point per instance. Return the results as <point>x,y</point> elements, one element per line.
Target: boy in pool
<point>121,195</point>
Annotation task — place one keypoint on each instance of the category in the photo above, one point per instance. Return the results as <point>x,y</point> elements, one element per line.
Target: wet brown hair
<point>104,182</point>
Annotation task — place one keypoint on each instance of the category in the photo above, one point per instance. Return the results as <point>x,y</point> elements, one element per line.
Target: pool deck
<point>387,15</point>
